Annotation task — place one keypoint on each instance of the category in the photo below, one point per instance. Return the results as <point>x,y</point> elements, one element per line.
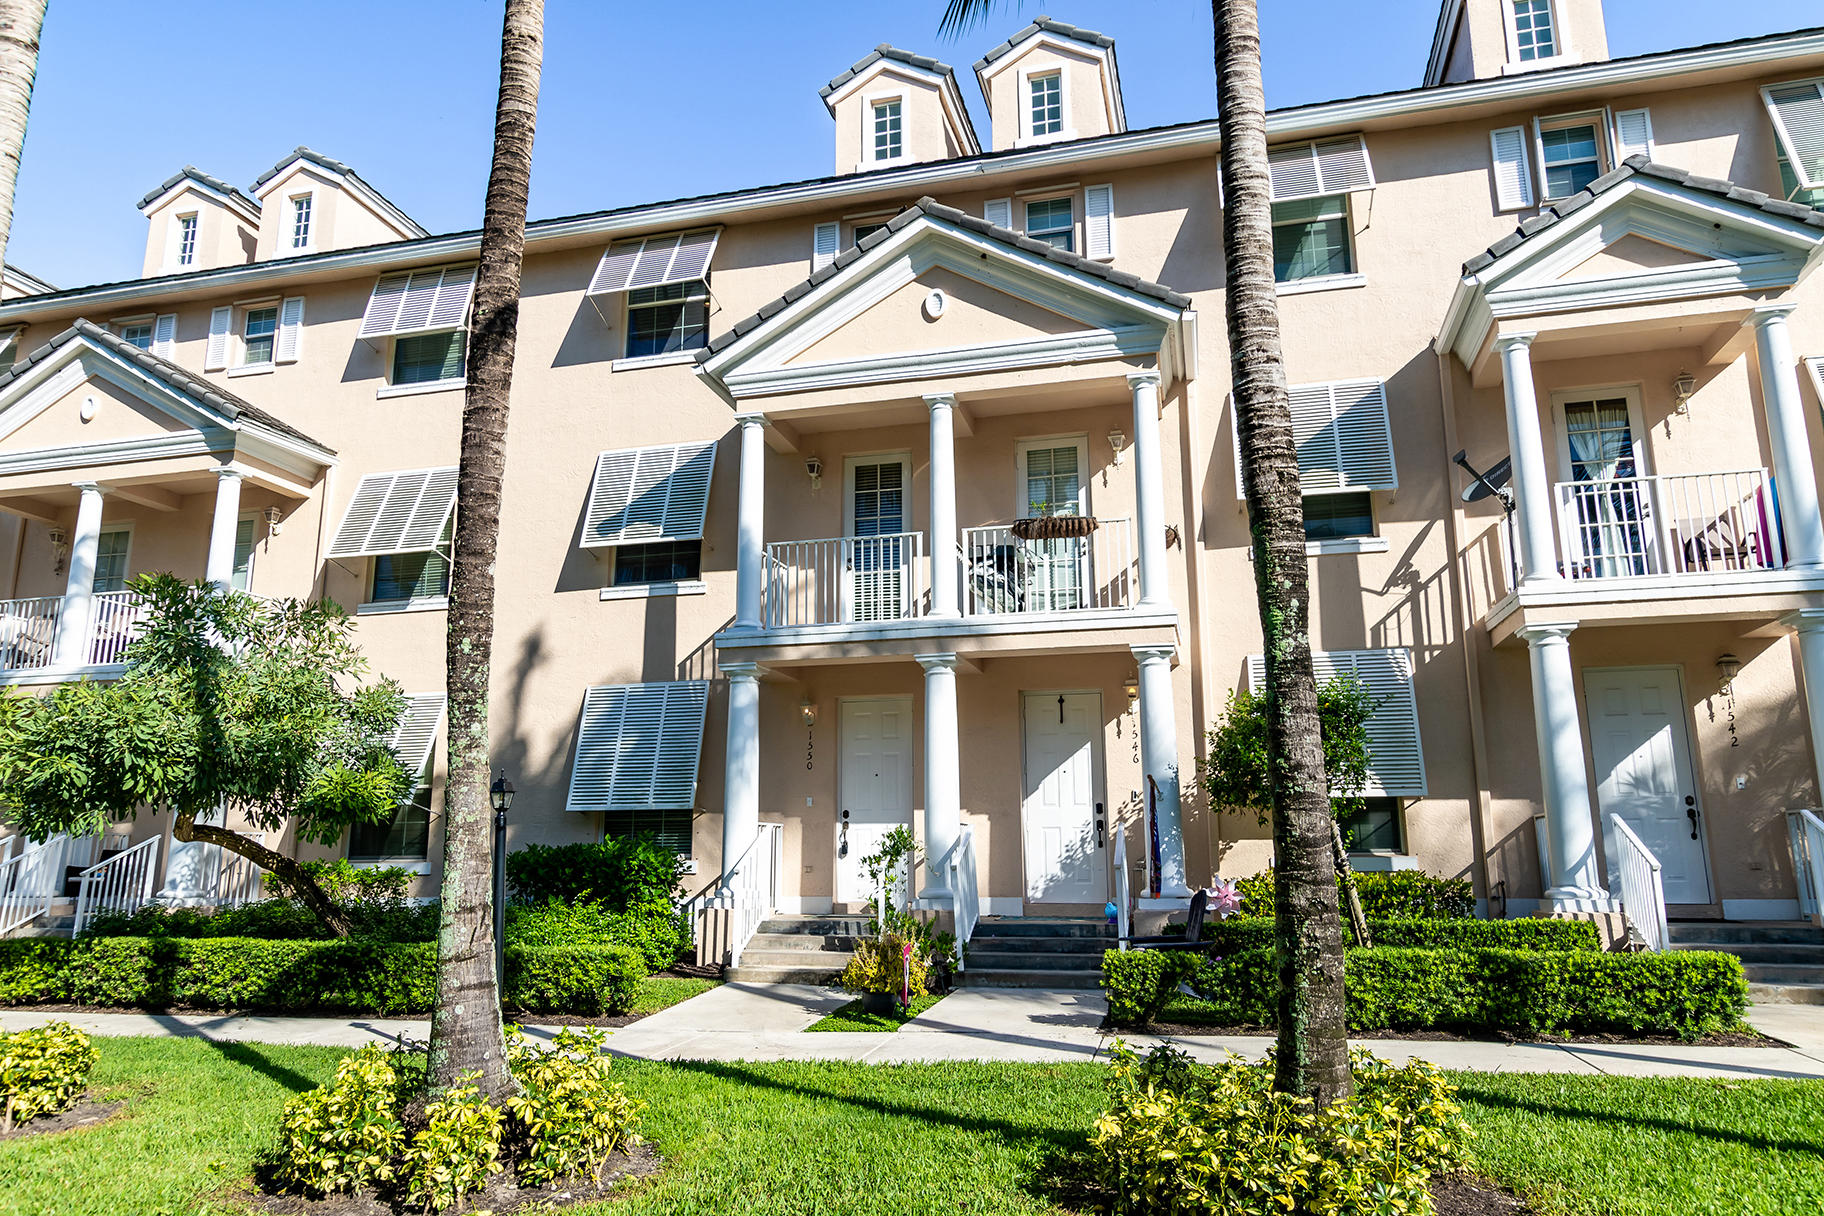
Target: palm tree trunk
<point>466,1033</point>
<point>1313,1054</point>
<point>21,21</point>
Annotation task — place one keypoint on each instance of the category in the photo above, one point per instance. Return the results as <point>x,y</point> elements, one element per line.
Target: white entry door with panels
<point>879,552</point>
<point>876,786</point>
<point>1065,827</point>
<point>1641,751</point>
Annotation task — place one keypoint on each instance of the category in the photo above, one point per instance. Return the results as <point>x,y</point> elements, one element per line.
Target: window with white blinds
<point>402,512</point>
<point>1797,111</point>
<point>647,495</point>
<point>653,261</point>
<point>419,301</point>
<point>1321,167</point>
<point>417,731</point>
<point>1396,757</point>
<point>638,746</point>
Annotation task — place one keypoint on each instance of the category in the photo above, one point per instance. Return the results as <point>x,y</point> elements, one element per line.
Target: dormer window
<point>889,133</point>
<point>1047,104</point>
<point>1053,221</point>
<point>1534,35</point>
<point>300,222</point>
<point>1571,154</point>
<point>186,240</point>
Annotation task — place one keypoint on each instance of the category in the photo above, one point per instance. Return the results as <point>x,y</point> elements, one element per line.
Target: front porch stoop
<point>1784,960</point>
<point>799,950</point>
<point>1037,952</point>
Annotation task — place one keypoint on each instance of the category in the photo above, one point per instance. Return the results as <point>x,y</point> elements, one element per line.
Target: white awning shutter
<point>417,731</point>
<point>638,747</point>
<point>1797,111</point>
<point>1396,755</point>
<point>397,513</point>
<point>1319,168</point>
<point>1512,167</point>
<point>1099,222</point>
<point>1633,134</point>
<point>291,330</point>
<point>215,354</point>
<point>646,495</point>
<point>164,335</point>
<point>826,243</point>
<point>419,301</point>
<point>1345,441</point>
<point>653,261</point>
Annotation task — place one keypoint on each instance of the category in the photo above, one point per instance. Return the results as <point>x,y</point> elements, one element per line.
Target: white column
<point>71,648</point>
<point>1575,882</point>
<point>944,536</point>
<point>219,569</point>
<point>741,765</point>
<point>1809,625</point>
<point>750,544</point>
<point>943,774</point>
<point>1159,761</point>
<point>1786,433</point>
<point>1526,445</point>
<point>1149,491</point>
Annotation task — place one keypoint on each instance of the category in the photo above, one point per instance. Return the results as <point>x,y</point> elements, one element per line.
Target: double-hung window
<point>648,505</point>
<point>111,550</point>
<point>137,333</point>
<point>1535,37</point>
<point>401,521</point>
<point>300,221</point>
<point>259,329</point>
<point>889,133</point>
<point>422,316</point>
<point>665,280</point>
<point>1338,517</point>
<point>406,834</point>
<point>1311,239</point>
<point>185,252</point>
<point>1047,104</point>
<point>1053,220</point>
<point>429,358</point>
<point>669,318</point>
<point>1571,155</point>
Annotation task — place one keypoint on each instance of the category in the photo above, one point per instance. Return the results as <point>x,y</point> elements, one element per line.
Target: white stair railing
<point>30,881</point>
<point>1123,891</point>
<point>120,885</point>
<point>1807,832</point>
<point>958,865</point>
<point>753,887</point>
<point>1643,891</point>
<point>239,881</point>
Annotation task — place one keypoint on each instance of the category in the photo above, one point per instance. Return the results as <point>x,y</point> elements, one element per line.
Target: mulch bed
<point>501,1198</point>
<point>84,1114</point>
<point>1467,1195</point>
<point>1726,1038</point>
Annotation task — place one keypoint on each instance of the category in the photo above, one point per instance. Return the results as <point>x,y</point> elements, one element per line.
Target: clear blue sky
<point>640,102</point>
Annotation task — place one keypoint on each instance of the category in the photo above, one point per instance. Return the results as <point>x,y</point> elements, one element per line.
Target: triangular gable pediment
<point>85,395</point>
<point>871,315</point>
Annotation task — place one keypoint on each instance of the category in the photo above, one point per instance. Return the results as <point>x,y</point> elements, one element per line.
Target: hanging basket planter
<point>1054,527</point>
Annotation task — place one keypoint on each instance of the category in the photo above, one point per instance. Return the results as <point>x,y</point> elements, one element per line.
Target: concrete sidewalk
<point>767,1022</point>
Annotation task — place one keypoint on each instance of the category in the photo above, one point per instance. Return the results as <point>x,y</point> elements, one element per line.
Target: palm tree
<point>466,1033</point>
<point>1313,1053</point>
<point>21,21</point>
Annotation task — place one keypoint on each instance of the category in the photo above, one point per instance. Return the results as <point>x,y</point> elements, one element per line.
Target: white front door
<point>878,554</point>
<point>1066,847</point>
<point>1642,755</point>
<point>876,781</point>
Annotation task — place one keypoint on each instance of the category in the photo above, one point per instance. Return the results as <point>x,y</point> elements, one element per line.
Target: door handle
<point>1691,813</point>
<point>1101,828</point>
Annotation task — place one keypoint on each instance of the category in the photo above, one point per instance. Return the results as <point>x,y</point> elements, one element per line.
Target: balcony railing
<point>28,630</point>
<point>1694,523</point>
<point>1004,574</point>
<point>845,579</point>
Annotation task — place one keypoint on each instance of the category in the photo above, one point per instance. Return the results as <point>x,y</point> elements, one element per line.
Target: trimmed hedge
<point>1389,893</point>
<point>624,873</point>
<point>659,939</point>
<point>1532,933</point>
<point>345,976</point>
<point>1519,992</point>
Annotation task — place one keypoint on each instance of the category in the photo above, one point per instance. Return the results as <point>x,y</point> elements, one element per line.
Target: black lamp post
<point>500,797</point>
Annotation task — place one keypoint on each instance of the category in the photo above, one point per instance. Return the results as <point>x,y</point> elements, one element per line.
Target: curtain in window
<point>1610,502</point>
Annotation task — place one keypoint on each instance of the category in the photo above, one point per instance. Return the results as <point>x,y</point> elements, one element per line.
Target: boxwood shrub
<point>1388,893</point>
<point>352,975</point>
<point>623,873</point>
<point>658,938</point>
<point>1519,992</point>
<point>1532,933</point>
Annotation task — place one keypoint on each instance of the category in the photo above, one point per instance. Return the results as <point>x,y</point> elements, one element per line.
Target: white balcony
<point>29,627</point>
<point>1690,524</point>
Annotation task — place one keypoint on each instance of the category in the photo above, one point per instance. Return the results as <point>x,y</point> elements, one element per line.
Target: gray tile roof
<point>171,374</point>
<point>930,207</point>
<point>1047,25</point>
<point>196,174</point>
<point>336,166</point>
<point>884,51</point>
<point>1640,166</point>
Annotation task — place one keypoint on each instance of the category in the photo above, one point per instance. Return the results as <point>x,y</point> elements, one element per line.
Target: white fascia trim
<point>1328,282</point>
<point>350,185</point>
<point>1440,41</point>
<point>1569,593</point>
<point>1346,544</point>
<point>117,451</point>
<point>233,204</point>
<point>64,675</point>
<point>665,360</point>
<point>968,627</point>
<point>413,390</point>
<point>430,603</point>
<point>648,591</point>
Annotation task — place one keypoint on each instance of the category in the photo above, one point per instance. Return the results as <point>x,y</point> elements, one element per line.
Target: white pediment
<point>85,396</point>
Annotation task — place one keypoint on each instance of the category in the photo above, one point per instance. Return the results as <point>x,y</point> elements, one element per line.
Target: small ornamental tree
<point>227,701</point>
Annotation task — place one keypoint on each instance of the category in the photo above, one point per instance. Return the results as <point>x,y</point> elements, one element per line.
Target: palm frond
<point>960,16</point>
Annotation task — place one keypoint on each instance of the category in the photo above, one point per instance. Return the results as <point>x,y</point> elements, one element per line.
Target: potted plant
<point>1042,524</point>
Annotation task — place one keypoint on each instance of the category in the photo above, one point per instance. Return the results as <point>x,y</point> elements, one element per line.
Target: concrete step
<point>817,926</point>
<point>746,974</point>
<point>983,977</point>
<point>806,942</point>
<point>1035,926</point>
<point>1762,952</point>
<point>1726,933</point>
<point>1787,994</point>
<point>1783,973</point>
<point>1014,960</point>
<point>816,960</point>
<point>1050,947</point>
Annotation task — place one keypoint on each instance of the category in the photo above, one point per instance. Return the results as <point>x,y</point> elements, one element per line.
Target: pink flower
<point>1224,899</point>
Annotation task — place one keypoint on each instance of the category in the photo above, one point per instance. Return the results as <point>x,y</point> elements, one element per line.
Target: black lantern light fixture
<point>500,797</point>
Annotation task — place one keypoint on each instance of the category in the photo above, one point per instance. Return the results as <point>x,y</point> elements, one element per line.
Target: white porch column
<point>1575,882</point>
<point>1159,761</point>
<point>1149,493</point>
<point>943,774</point>
<point>1532,484</point>
<point>741,764</point>
<point>944,538</point>
<point>71,648</point>
<point>1809,625</point>
<point>1786,434</point>
<point>750,544</point>
<point>219,569</point>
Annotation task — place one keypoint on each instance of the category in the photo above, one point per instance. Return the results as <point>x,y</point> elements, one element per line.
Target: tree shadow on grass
<point>1608,1118</point>
<point>248,1055</point>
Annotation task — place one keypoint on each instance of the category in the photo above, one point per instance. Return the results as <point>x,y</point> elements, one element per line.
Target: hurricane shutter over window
<point>419,301</point>
<point>653,261</point>
<point>999,212</point>
<point>1396,756</point>
<point>1099,222</point>
<point>397,513</point>
<point>215,355</point>
<point>1633,134</point>
<point>1513,168</point>
<point>417,731</point>
<point>164,335</point>
<point>646,495</point>
<point>1797,111</point>
<point>826,242</point>
<point>638,746</point>
<point>291,330</point>
<point>1326,166</point>
<point>1345,441</point>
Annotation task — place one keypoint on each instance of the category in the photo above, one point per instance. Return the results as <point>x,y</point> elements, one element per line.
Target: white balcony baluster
<point>845,579</point>
<point>1691,523</point>
<point>1004,574</point>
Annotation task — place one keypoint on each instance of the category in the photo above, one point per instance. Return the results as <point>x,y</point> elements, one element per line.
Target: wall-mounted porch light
<point>1117,439</point>
<point>807,709</point>
<point>1684,387</point>
<point>1132,688</point>
<point>813,468</point>
<point>275,521</point>
<point>60,549</point>
<point>1728,666</point>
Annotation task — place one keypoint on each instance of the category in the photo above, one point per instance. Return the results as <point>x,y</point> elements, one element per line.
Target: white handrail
<point>1123,890</point>
<point>753,887</point>
<point>1688,523</point>
<point>28,632</point>
<point>1004,574</point>
<point>238,880</point>
<point>121,884</point>
<point>843,579</point>
<point>30,881</point>
<point>960,865</point>
<point>1643,889</point>
<point>1807,832</point>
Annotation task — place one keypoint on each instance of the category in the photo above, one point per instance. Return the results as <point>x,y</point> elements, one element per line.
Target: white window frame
<point>1024,447</point>
<point>307,201</point>
<point>118,525</point>
<point>1784,144</point>
<point>1027,136</point>
<point>1353,277</point>
<point>1636,428</point>
<point>447,384</point>
<point>1026,202</point>
<point>869,152</point>
<point>149,320</point>
<point>175,258</point>
<point>909,521</point>
<point>1560,40</point>
<point>1604,124</point>
<point>243,310</point>
<point>687,354</point>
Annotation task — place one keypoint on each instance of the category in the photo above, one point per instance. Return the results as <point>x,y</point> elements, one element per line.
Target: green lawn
<point>663,991</point>
<point>850,1017</point>
<point>804,1139</point>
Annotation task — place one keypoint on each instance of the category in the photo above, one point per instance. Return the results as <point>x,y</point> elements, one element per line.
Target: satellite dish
<point>1482,485</point>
